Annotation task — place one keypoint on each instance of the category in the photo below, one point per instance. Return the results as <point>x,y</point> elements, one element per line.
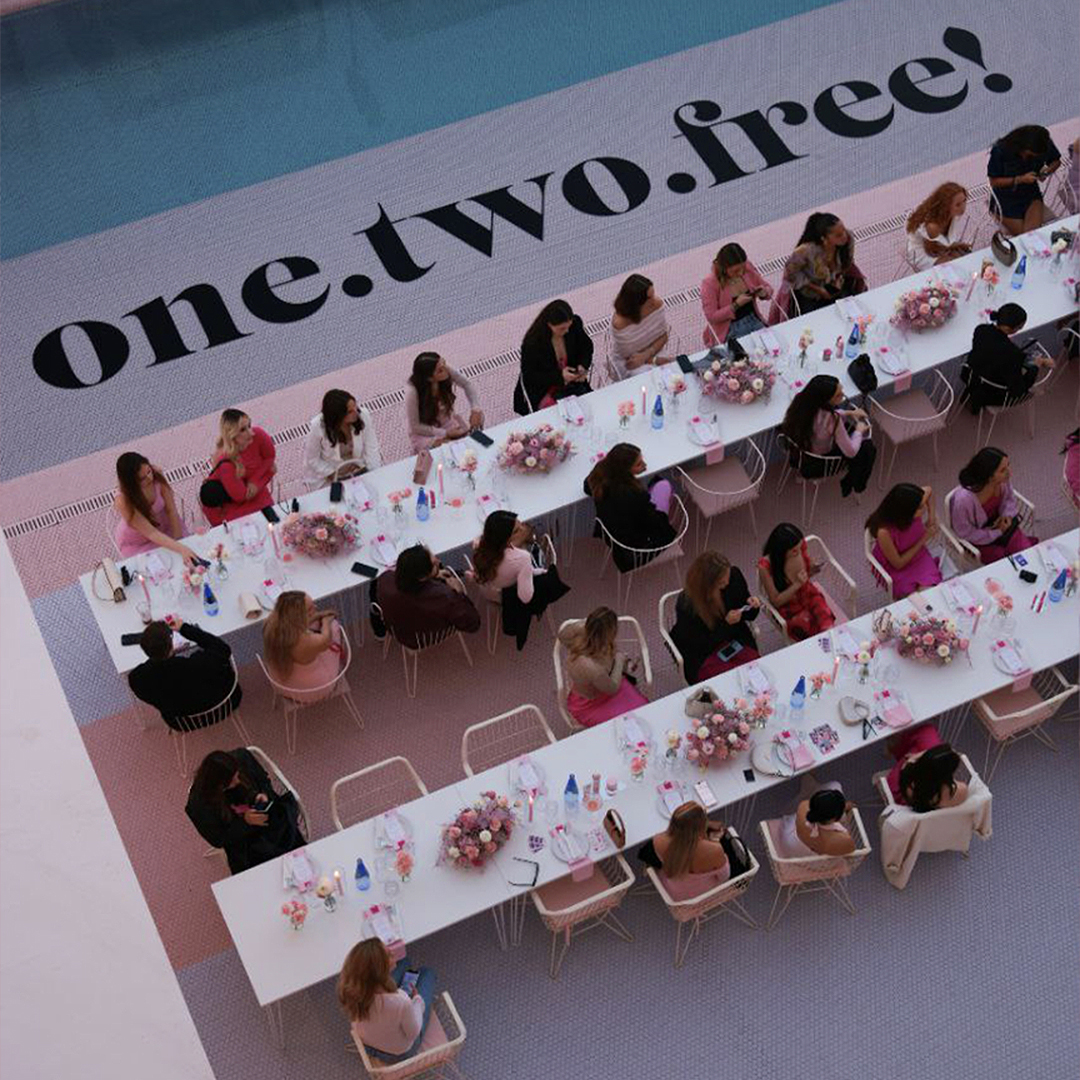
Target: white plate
<point>676,794</point>
<point>703,432</point>
<point>520,785</point>
<point>384,551</point>
<point>566,845</point>
<point>631,738</point>
<point>755,671</point>
<point>389,823</point>
<point>1002,652</point>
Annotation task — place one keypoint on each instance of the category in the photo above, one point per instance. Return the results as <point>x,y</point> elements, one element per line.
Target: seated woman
<point>1018,161</point>
<point>983,509</point>
<point>233,806</point>
<point>429,403</point>
<point>303,646</point>
<point>635,515</point>
<point>995,356</point>
<point>147,509</point>
<point>712,618</point>
<point>388,1020</point>
<point>730,295</point>
<point>816,827</point>
<point>935,227</point>
<point>822,267</point>
<point>599,689</point>
<point>639,328</point>
<point>901,527</point>
<point>924,776</point>
<point>691,856</point>
<point>503,567</point>
<point>785,570</point>
<point>556,355</point>
<point>341,442</point>
<point>814,422</point>
<point>243,466</point>
<point>1071,450</point>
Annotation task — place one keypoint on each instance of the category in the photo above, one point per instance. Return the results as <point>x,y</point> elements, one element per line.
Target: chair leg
<point>499,916</point>
<point>785,891</point>
<point>615,925</point>
<point>813,506</point>
<point>935,445</point>
<point>804,506</point>
<point>753,520</point>
<point>838,888</point>
<point>491,629</point>
<point>290,727</point>
<point>735,909</point>
<point>181,750</point>
<point>354,712</point>
<point>465,648</point>
<point>556,961</point>
<point>239,725</point>
<point>410,685</point>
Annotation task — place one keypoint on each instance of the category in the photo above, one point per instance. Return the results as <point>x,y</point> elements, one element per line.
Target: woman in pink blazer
<point>729,296</point>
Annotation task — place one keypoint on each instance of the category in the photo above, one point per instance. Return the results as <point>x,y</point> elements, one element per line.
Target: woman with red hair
<point>935,227</point>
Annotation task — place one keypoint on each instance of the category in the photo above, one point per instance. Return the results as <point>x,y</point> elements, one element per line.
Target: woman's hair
<point>976,474</point>
<point>227,432</point>
<point>934,209</point>
<point>365,973</point>
<point>1010,315</point>
<point>1071,440</point>
<point>596,637</point>
<point>494,540</point>
<point>429,400</point>
<point>781,540</point>
<point>898,508</point>
<point>212,779</point>
<point>284,627</point>
<point>413,567</point>
<point>705,571</point>
<point>686,827</point>
<point>826,806</point>
<point>632,296</point>
<point>817,225</point>
<point>798,423</point>
<point>128,467</point>
<point>921,780</point>
<point>728,256</point>
<point>335,405</point>
<point>614,472</point>
<point>1027,137</point>
<point>553,314</point>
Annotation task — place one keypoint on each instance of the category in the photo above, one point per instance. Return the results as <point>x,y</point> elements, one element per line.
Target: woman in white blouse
<point>639,328</point>
<point>935,227</point>
<point>341,442</point>
<point>429,403</point>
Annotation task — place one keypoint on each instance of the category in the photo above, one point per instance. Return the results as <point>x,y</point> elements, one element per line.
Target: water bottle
<point>209,600</point>
<point>1019,273</point>
<point>422,510</point>
<point>798,699</point>
<point>362,877</point>
<point>571,795</point>
<point>1057,590</point>
<point>852,349</point>
<point>658,414</point>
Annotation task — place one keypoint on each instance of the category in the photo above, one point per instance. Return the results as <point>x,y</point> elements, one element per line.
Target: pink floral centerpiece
<point>924,309</point>
<point>477,832</point>
<point>726,732</point>
<point>626,411</point>
<point>930,640</point>
<point>193,578</point>
<point>320,534</point>
<point>296,912</point>
<point>536,451</point>
<point>739,382</point>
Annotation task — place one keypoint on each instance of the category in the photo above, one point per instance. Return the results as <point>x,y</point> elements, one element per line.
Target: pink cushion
<point>913,409</point>
<point>434,1034</point>
<point>565,892</point>
<point>725,476</point>
<point>1006,701</point>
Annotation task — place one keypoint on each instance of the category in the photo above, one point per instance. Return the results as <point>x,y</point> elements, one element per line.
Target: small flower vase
<point>815,691</point>
<point>1056,263</point>
<point>221,572</point>
<point>802,358</point>
<point>624,421</point>
<point>671,757</point>
<point>330,903</point>
<point>471,478</point>
<point>863,674</point>
<point>638,765</point>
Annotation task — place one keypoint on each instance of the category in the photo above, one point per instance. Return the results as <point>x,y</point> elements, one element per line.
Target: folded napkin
<point>297,870</point>
<point>1053,558</point>
<point>845,644</point>
<point>384,550</point>
<point>250,536</point>
<point>1010,658</point>
<point>392,828</point>
<point>703,432</point>
<point>526,774</point>
<point>794,751</point>
<point>571,411</point>
<point>851,308</point>
<point>485,504</point>
<point>570,845</point>
<point>273,589</point>
<point>156,569</point>
<point>958,596</point>
<point>671,794</point>
<point>756,682</point>
<point>379,921</point>
<point>892,709</point>
<point>770,342</point>
<point>892,361</point>
<point>362,493</point>
<point>634,731</point>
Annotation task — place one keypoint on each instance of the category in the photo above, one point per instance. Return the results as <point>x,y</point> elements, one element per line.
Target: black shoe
<point>845,487</point>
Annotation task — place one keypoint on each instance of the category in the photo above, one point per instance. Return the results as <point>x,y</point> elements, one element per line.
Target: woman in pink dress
<point>693,859</point>
<point>600,688</point>
<point>147,509</point>
<point>901,527</point>
<point>983,509</point>
<point>244,464</point>
<point>430,400</point>
<point>303,647</point>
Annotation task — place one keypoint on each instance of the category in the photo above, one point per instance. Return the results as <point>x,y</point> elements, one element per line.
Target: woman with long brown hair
<point>936,226</point>
<point>147,509</point>
<point>556,354</point>
<point>243,465</point>
<point>599,687</point>
<point>730,295</point>
<point>302,645</point>
<point>639,329</point>
<point>341,441</point>
<point>822,267</point>
<point>692,858</point>
<point>430,398</point>
<point>389,1018</point>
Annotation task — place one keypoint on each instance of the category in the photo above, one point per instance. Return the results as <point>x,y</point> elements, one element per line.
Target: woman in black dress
<point>556,355</point>
<point>995,357</point>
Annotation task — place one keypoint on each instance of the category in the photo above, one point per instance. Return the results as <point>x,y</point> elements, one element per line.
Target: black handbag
<point>212,492</point>
<point>738,856</point>
<point>862,373</point>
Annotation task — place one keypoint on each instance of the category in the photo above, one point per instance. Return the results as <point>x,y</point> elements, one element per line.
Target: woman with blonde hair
<point>935,227</point>
<point>600,688</point>
<point>243,467</point>
<point>388,1012</point>
<point>303,645</point>
<point>690,853</point>
<point>712,618</point>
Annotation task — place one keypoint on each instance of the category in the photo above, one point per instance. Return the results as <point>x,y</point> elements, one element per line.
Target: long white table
<point>1044,296</point>
<point>280,962</point>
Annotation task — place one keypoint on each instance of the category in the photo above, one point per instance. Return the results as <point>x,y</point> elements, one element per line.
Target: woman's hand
<point>253,817</point>
<point>734,616</point>
<point>753,602</point>
<point>186,554</point>
<point>476,419</point>
<point>568,374</point>
<point>251,490</point>
<point>1028,178</point>
<point>801,576</point>
<point>743,298</point>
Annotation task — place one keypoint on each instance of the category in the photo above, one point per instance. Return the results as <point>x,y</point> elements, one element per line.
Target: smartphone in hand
<point>270,514</point>
<point>478,436</point>
<point>409,981</point>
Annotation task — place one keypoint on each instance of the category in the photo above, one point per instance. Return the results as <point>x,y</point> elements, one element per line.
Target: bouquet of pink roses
<point>534,451</point>
<point>726,731</point>
<point>477,832</point>
<point>739,382</point>
<point>923,309</point>
<point>320,534</point>
<point>930,640</point>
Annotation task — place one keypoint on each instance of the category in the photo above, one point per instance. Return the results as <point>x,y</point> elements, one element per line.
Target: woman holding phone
<point>730,295</point>
<point>1018,161</point>
<point>556,354</point>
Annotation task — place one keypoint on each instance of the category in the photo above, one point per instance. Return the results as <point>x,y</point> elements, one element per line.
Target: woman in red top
<point>244,463</point>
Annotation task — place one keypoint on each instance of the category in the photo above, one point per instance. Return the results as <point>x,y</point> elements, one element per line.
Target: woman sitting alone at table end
<point>785,570</point>
<point>816,827</point>
<point>901,527</point>
<point>935,227</point>
<point>639,329</point>
<point>984,509</point>
<point>243,467</point>
<point>389,1021</point>
<point>690,853</point>
<point>341,441</point>
<point>303,646</point>
<point>924,776</point>
<point>147,510</point>
<point>429,403</point>
<point>713,614</point>
<point>599,686</point>
<point>556,355</point>
<point>822,267</point>
<point>996,357</point>
<point>730,295</point>
<point>1017,163</point>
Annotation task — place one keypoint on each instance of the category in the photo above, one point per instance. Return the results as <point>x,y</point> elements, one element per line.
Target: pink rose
<point>472,851</point>
<point>747,397</point>
<point>454,832</point>
<point>321,534</point>
<point>744,729</point>
<point>692,754</point>
<point>733,384</point>
<point>489,847</point>
<point>920,652</point>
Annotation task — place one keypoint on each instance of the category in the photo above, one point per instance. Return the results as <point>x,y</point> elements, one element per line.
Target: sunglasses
<point>535,873</point>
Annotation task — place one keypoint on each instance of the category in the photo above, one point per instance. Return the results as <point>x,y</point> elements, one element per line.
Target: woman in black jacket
<point>556,355</point>
<point>995,357</point>
<point>712,618</point>
<point>635,515</point>
<point>234,807</point>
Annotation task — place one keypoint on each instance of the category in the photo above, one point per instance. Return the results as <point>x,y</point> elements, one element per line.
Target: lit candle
<point>146,591</point>
<point>274,540</point>
<point>439,470</point>
<point>975,624</point>
<point>835,668</point>
<point>532,799</point>
<point>337,883</point>
<point>644,399</point>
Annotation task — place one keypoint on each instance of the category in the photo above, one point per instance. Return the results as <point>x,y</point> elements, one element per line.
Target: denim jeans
<point>425,989</point>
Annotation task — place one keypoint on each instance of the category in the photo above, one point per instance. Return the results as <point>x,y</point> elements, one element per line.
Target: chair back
<point>441,1044</point>
<point>665,619</point>
<point>525,393</point>
<point>902,425</point>
<point>363,795</point>
<point>214,715</point>
<point>113,518</point>
<point>1050,687</point>
<point>803,868</point>
<point>503,737</point>
<point>881,575</point>
<point>280,783</point>
<point>311,695</point>
<point>640,557</point>
<point>617,877</point>
<point>720,497</point>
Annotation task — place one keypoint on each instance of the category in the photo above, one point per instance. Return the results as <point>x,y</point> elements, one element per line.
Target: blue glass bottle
<point>1019,273</point>
<point>852,348</point>
<point>658,414</point>
<point>209,600</point>
<point>1057,590</point>
<point>362,877</point>
<point>571,795</point>
<point>423,511</point>
<point>798,698</point>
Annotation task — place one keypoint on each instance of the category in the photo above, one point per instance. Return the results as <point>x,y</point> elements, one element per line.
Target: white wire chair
<point>733,482</point>
<point>182,726</point>
<point>280,784</point>
<point>967,554</point>
<point>363,795</point>
<point>797,462</point>
<point>503,737</point>
<point>294,700</point>
<point>525,393</point>
<point>442,1042</point>
<point>840,582</point>
<point>881,575</point>
<point>913,414</point>
<point>1013,401</point>
<point>635,638</point>
<point>113,518</point>
<point>666,621</point>
<point>642,558</point>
